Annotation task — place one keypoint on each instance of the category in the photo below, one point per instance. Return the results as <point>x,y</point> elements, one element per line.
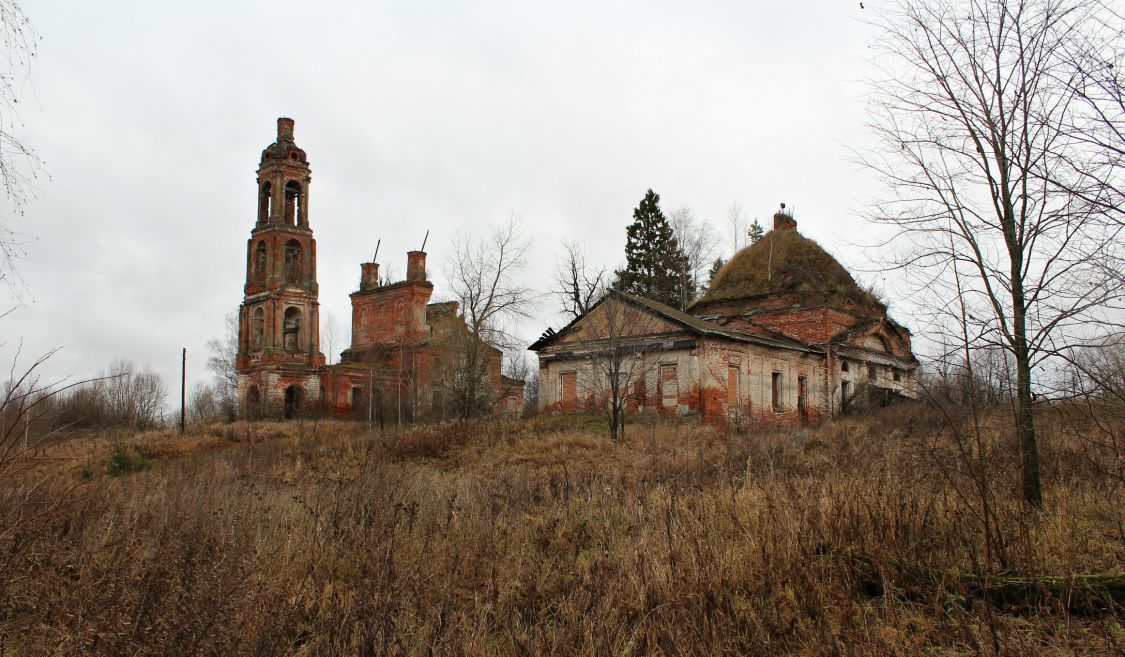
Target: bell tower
<point>279,355</point>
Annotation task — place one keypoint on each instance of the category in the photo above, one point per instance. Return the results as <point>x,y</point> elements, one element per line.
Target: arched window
<point>292,329</point>
<point>260,262</point>
<point>265,196</point>
<point>293,261</point>
<point>293,202</point>
<point>258,326</point>
<point>844,367</point>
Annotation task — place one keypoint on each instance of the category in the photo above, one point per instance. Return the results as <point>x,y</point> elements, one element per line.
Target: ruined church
<point>404,350</point>
<point>783,335</point>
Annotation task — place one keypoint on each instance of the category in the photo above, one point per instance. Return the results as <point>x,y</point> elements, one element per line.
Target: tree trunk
<point>1025,421</point>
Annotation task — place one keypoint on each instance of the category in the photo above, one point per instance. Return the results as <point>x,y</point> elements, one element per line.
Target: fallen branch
<point>1089,594</point>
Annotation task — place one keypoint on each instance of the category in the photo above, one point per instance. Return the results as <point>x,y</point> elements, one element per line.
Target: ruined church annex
<point>401,344</point>
<point>783,335</point>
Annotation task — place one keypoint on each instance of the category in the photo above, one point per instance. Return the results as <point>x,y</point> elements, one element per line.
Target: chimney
<point>415,265</point>
<point>369,275</point>
<point>784,221</point>
<point>284,129</point>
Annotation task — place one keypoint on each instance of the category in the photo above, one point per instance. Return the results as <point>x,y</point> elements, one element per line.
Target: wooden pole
<point>183,392</point>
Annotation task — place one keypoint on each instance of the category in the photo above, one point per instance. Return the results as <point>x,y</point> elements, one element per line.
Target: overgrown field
<point>858,537</point>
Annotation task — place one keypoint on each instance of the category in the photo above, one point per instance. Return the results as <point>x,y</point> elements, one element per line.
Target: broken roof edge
<point>693,323</point>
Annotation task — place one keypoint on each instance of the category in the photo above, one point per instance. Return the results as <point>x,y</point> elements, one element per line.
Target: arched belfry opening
<point>292,329</point>
<point>293,264</point>
<point>294,200</point>
<point>265,196</point>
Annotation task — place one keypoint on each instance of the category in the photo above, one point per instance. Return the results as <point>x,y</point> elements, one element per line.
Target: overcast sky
<point>439,116</point>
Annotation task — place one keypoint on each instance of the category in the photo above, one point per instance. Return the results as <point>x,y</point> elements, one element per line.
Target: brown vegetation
<point>784,261</point>
<point>541,537</point>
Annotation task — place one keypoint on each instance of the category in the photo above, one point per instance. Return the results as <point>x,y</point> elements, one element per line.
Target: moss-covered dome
<point>784,262</point>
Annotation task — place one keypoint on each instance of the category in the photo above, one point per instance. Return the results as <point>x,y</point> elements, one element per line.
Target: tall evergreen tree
<point>654,262</point>
<point>714,271</point>
<point>756,232</point>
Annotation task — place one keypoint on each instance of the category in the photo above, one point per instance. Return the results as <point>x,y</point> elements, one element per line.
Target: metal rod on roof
<point>377,243</point>
<point>424,240</point>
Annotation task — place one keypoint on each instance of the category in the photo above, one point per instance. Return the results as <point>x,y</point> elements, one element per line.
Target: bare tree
<point>698,243</point>
<point>223,365</point>
<point>618,363</point>
<point>330,335</point>
<point>20,166</point>
<point>486,278</point>
<point>202,405</point>
<point>134,396</point>
<point>578,284</point>
<point>737,229</point>
<point>977,114</point>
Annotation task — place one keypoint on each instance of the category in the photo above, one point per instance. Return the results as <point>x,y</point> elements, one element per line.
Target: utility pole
<point>183,392</point>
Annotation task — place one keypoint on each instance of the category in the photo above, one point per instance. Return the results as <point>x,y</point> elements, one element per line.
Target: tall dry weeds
<point>537,538</point>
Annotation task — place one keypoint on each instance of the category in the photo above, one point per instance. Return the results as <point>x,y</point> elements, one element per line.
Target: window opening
<point>258,326</point>
<point>802,397</point>
<point>776,392</point>
<point>293,261</point>
<point>292,329</point>
<point>260,262</point>
<point>669,386</point>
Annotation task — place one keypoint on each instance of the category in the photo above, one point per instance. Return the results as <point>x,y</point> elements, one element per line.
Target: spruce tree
<point>654,262</point>
<point>715,267</point>
<point>756,232</point>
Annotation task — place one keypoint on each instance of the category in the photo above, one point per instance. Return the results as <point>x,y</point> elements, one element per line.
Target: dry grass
<point>539,538</point>
<point>784,262</point>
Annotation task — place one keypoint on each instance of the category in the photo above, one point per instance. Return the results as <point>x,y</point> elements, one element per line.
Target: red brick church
<point>403,349</point>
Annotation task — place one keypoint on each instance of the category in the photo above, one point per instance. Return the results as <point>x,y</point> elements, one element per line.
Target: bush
<point>122,462</point>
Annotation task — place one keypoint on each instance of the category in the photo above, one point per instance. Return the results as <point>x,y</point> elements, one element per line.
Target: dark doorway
<point>294,401</point>
<point>253,403</point>
<point>359,404</point>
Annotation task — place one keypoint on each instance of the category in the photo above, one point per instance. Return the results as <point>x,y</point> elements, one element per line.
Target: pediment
<point>614,318</point>
<point>882,338</point>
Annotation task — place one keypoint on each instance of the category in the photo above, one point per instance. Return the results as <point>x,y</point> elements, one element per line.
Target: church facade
<point>403,348</point>
<point>782,336</point>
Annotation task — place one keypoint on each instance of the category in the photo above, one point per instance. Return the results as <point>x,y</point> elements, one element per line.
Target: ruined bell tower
<point>279,355</point>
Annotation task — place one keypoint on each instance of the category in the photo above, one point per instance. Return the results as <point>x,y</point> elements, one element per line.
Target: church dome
<point>788,265</point>
<point>284,148</point>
